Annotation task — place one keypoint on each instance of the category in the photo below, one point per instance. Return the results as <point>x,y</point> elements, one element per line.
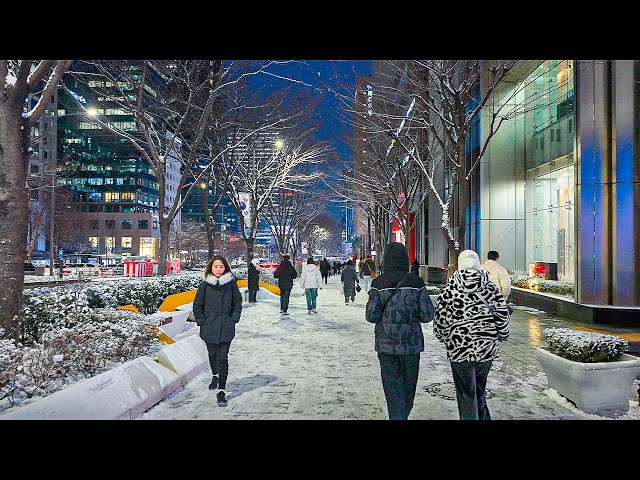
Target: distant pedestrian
<point>398,304</point>
<point>311,281</point>
<point>471,320</point>
<point>324,269</point>
<point>349,278</point>
<point>367,272</point>
<point>415,267</point>
<point>253,280</point>
<point>497,273</point>
<point>285,273</point>
<point>217,308</point>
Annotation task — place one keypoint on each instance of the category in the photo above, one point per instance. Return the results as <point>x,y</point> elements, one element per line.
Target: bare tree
<point>171,103</point>
<point>189,239</point>
<point>20,81</point>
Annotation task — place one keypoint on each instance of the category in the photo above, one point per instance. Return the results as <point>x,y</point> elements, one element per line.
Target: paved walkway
<point>324,367</point>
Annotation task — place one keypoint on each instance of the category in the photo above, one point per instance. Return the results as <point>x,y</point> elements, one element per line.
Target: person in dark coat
<point>285,273</point>
<point>349,278</point>
<point>415,267</point>
<point>217,308</point>
<point>398,304</point>
<point>253,279</point>
<point>324,269</point>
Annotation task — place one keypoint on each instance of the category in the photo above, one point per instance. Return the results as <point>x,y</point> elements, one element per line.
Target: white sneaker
<point>346,303</point>
<point>314,310</point>
<point>309,312</point>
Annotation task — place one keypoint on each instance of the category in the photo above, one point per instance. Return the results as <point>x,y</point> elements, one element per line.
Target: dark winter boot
<point>222,401</point>
<point>214,383</point>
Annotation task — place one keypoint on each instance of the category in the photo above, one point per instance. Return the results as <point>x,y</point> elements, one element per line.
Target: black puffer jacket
<point>285,273</point>
<point>253,277</point>
<point>398,330</point>
<point>217,308</point>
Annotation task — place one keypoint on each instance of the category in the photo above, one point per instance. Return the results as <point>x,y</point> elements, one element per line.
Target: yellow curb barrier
<point>272,288</point>
<point>163,336</point>
<point>130,306</point>
<point>173,301</point>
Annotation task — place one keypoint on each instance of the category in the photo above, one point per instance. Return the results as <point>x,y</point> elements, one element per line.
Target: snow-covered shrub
<point>10,365</point>
<point>433,290</point>
<point>541,285</point>
<point>146,293</point>
<point>581,346</point>
<point>47,309</point>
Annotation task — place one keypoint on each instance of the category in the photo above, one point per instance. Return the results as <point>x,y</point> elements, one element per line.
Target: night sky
<point>321,75</point>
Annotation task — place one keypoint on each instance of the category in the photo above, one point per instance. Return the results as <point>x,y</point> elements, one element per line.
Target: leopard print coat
<point>463,319</point>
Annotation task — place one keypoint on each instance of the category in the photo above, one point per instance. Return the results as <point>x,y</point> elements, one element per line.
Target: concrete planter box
<point>599,388</point>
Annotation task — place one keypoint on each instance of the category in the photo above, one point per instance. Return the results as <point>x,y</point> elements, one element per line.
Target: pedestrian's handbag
<point>358,288</point>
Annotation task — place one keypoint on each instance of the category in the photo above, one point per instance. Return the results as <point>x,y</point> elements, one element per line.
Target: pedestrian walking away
<point>349,278</point>
<point>415,267</point>
<point>253,281</point>
<point>367,272</point>
<point>398,304</point>
<point>285,273</point>
<point>324,269</point>
<point>311,281</point>
<point>498,274</point>
<point>471,319</point>
<point>217,308</point>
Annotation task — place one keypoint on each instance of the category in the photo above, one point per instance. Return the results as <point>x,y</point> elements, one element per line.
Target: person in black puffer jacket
<point>398,304</point>
<point>253,280</point>
<point>217,308</point>
<point>285,273</point>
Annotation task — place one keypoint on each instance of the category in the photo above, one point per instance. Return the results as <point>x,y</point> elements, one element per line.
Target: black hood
<point>395,257</point>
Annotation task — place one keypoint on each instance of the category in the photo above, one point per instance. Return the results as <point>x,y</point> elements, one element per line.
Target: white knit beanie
<point>468,260</point>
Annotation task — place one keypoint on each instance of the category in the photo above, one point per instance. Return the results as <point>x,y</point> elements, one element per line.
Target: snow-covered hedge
<point>583,346</point>
<point>85,345</point>
<point>541,285</point>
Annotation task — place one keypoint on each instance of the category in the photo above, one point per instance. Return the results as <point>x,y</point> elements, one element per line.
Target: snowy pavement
<point>324,367</point>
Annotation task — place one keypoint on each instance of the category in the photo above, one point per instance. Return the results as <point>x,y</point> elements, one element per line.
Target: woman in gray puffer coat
<point>349,278</point>
<point>217,308</point>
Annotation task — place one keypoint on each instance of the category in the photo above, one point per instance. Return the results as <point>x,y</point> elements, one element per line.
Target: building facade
<point>560,181</point>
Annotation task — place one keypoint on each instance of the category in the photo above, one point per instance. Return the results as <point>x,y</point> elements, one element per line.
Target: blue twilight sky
<point>322,75</point>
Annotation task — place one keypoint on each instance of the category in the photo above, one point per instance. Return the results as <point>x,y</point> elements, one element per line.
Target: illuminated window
<point>128,197</point>
<point>93,241</point>
<point>125,242</point>
<point>147,246</point>
<point>112,196</point>
<point>109,241</point>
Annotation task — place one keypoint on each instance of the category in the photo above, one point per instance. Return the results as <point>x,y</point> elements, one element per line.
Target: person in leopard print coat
<point>471,319</point>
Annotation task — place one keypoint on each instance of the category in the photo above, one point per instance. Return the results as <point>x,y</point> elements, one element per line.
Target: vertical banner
<point>245,207</point>
<point>305,248</point>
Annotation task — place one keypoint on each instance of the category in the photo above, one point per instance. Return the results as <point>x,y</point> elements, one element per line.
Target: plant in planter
<point>590,369</point>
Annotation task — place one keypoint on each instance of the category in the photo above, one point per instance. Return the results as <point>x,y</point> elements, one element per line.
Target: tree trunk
<point>209,222</point>
<point>165,226</point>
<point>13,214</point>
<point>249,241</point>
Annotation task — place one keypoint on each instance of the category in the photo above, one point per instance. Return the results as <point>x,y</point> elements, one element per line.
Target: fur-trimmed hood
<point>213,280</point>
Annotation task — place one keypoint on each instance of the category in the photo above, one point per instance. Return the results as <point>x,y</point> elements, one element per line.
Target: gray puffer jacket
<point>217,308</point>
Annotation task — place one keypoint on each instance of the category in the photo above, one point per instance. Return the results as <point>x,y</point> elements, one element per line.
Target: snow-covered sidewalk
<point>324,367</point>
